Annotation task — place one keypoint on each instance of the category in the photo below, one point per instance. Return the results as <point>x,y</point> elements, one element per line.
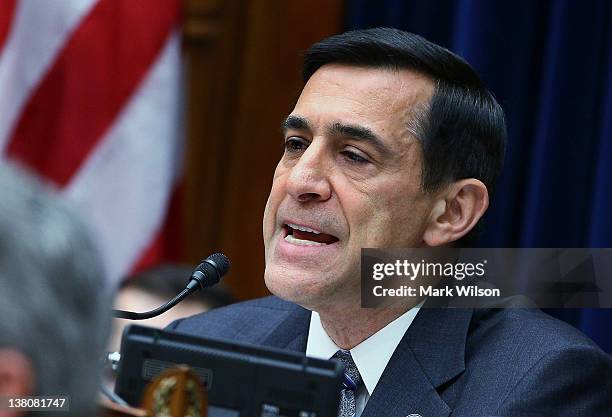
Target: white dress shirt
<point>371,356</point>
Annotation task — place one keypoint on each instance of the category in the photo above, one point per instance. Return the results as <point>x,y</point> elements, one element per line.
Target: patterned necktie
<point>352,381</point>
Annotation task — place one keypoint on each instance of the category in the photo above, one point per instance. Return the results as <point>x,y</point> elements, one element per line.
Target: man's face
<point>350,178</point>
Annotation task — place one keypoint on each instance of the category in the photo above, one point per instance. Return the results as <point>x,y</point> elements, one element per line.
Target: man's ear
<point>457,210</point>
<point>16,378</point>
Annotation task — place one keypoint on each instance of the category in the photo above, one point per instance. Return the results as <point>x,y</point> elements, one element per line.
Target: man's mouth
<point>305,236</point>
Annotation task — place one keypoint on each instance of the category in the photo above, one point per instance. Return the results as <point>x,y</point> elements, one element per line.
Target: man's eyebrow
<point>359,133</point>
<point>356,132</point>
<point>295,122</point>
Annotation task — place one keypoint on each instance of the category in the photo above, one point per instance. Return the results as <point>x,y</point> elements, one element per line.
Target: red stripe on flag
<point>7,9</point>
<point>166,245</point>
<point>98,70</point>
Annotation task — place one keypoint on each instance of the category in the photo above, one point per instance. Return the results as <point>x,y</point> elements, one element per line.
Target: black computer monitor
<point>242,380</point>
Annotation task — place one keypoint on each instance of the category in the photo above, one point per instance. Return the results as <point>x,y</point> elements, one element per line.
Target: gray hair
<point>54,305</point>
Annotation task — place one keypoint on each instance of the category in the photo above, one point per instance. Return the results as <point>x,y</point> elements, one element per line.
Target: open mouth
<point>305,236</point>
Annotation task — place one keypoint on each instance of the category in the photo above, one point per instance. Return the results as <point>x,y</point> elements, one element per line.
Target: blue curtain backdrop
<point>549,63</point>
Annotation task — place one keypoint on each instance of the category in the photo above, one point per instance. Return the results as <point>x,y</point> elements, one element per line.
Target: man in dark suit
<point>394,142</point>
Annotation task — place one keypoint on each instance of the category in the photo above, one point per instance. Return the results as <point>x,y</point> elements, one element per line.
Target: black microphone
<point>209,272</point>
<point>206,274</point>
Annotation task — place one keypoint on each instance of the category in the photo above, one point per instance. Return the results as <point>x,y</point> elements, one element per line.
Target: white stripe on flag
<point>124,187</point>
<point>39,31</point>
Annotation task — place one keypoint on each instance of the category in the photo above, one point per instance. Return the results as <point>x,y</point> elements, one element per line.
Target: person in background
<point>154,287</point>
<point>54,304</point>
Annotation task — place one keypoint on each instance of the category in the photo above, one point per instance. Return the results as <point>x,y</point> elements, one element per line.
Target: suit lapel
<point>430,354</point>
<point>292,331</point>
<point>404,389</point>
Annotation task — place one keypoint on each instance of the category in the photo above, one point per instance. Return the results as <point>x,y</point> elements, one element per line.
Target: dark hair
<point>463,131</point>
<point>167,280</point>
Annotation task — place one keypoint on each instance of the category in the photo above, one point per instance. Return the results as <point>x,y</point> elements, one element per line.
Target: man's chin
<point>296,286</point>
<point>311,289</point>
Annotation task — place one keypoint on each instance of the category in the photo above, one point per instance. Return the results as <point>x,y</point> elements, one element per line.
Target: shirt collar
<point>372,355</point>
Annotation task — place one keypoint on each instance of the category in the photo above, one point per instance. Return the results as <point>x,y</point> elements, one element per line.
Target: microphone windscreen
<point>221,261</point>
<point>210,270</point>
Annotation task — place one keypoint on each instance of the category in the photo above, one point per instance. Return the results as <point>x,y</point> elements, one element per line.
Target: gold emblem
<point>177,392</point>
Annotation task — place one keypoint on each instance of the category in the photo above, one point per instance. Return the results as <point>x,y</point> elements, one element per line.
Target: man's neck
<point>348,328</point>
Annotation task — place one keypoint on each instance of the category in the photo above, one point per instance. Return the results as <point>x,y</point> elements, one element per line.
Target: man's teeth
<point>303,229</point>
<point>295,241</point>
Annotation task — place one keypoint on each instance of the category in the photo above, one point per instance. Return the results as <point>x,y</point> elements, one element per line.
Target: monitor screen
<point>242,380</point>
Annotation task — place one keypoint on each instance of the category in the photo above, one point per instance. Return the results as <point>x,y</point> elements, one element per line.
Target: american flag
<point>90,100</point>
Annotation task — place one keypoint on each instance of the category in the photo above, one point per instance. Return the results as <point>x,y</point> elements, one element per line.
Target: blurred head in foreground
<point>53,301</point>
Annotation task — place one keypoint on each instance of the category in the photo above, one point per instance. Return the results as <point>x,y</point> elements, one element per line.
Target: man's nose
<point>309,178</point>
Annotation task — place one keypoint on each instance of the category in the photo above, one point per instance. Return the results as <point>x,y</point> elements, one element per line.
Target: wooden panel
<point>244,78</point>
<point>212,44</point>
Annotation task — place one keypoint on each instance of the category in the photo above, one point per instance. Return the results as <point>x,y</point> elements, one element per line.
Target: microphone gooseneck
<point>206,274</point>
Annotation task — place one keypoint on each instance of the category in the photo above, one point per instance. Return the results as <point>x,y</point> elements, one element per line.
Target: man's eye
<point>355,158</point>
<point>294,144</point>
